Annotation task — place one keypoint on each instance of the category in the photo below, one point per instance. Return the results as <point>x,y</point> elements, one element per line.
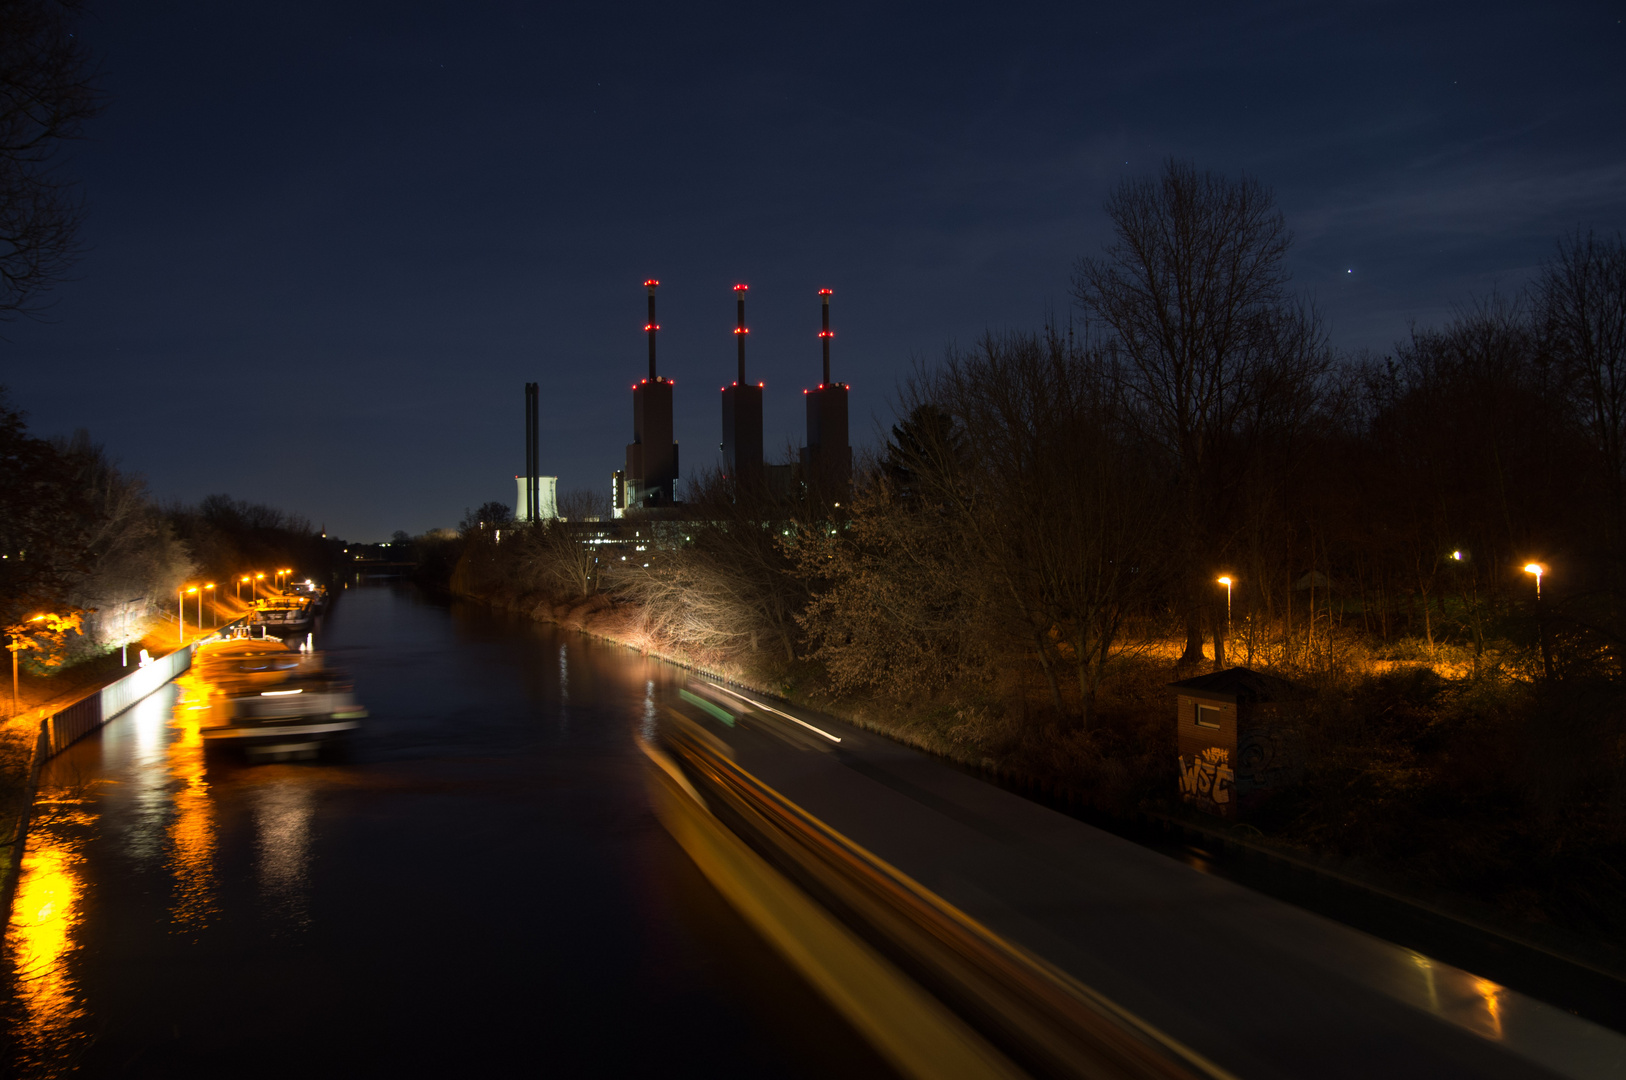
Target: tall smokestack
<point>533,456</point>
<point>827,459</point>
<point>651,326</point>
<point>825,335</point>
<point>741,331</point>
<point>652,457</point>
<point>742,412</point>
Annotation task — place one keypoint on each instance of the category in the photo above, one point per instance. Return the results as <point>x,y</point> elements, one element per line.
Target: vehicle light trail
<point>786,715</point>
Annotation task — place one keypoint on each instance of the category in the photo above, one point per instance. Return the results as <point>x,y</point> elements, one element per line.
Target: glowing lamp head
<point>651,283</point>
<point>1456,556</point>
<point>1534,568</point>
<point>1224,581</point>
<point>741,288</point>
<point>827,292</point>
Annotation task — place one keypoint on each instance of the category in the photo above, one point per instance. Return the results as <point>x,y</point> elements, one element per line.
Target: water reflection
<point>137,746</point>
<point>41,935</point>
<point>192,830</point>
<point>282,821</point>
<point>564,691</point>
<point>646,727</point>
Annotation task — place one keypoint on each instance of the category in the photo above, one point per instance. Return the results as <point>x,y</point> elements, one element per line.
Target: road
<point>482,886</point>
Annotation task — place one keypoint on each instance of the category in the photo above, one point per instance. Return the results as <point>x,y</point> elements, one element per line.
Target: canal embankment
<point>51,724</point>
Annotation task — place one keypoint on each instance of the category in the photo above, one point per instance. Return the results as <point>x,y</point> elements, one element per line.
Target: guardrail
<point>69,724</point>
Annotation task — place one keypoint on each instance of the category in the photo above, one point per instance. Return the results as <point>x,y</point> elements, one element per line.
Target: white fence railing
<point>68,725</point>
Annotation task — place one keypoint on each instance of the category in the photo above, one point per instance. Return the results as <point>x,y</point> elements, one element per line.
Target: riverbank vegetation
<point>91,562</point>
<point>1038,549</point>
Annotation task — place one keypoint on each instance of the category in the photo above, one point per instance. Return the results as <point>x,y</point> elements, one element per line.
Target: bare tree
<point>562,554</point>
<point>723,578</point>
<point>46,96</point>
<point>1194,292</point>
<point>1053,497</point>
<point>1581,315</point>
<point>896,609</point>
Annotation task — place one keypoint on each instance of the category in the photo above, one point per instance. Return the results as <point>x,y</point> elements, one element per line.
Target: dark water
<point>481,889</point>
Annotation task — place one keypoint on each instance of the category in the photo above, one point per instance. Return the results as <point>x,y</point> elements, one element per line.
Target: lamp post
<point>1541,621</point>
<point>257,579</point>
<point>180,615</point>
<point>1226,581</point>
<point>16,647</point>
<point>214,616</point>
<point>190,590</point>
<point>240,587</point>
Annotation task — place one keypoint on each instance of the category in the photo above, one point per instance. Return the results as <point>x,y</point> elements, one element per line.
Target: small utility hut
<point>1230,738</point>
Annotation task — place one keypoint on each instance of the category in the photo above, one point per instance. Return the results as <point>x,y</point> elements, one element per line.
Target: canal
<point>480,885</point>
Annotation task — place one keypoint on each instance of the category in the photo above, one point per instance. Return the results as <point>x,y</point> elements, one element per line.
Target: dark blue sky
<point>328,243</point>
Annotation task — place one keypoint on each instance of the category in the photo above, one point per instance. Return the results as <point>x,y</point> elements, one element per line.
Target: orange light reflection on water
<point>40,939</point>
<point>191,831</point>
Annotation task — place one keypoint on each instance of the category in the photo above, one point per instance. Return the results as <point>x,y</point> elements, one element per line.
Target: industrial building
<point>827,459</point>
<point>651,475</point>
<point>546,498</point>
<point>742,413</point>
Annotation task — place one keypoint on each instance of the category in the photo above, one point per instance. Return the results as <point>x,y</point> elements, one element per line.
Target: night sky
<point>327,244</point>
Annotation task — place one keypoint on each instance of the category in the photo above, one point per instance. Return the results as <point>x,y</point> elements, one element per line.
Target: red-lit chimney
<point>827,458</point>
<point>741,331</point>
<point>742,412</point>
<point>652,456</point>
<point>651,285</point>
<point>825,335</point>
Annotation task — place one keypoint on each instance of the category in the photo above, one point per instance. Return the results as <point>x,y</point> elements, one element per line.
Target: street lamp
<point>240,582</point>
<point>190,590</point>
<point>213,617</point>
<point>257,579</point>
<point>1226,581</point>
<point>180,615</point>
<point>1541,620</point>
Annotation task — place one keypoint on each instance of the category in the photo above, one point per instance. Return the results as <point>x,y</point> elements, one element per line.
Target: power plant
<point>649,479</point>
